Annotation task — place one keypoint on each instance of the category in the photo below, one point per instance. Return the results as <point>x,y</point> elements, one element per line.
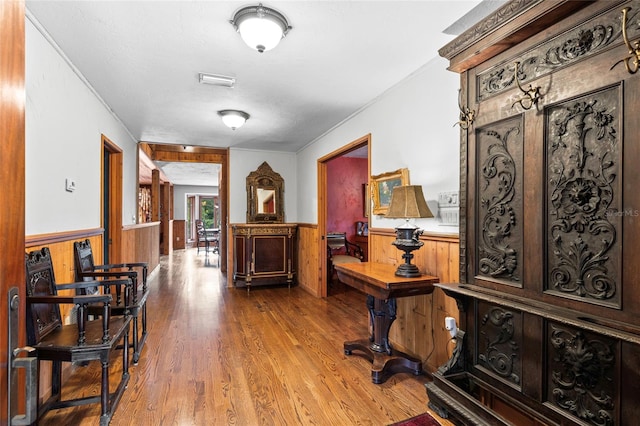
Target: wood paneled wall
<point>140,244</point>
<point>309,274</point>
<point>419,326</point>
<point>61,247</point>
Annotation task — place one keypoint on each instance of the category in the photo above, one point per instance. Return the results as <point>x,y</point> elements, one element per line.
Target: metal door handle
<point>28,363</point>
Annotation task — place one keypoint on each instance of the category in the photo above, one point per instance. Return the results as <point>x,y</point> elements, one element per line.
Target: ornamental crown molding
<point>493,21</point>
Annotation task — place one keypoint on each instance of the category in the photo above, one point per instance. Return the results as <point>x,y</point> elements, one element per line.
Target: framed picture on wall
<point>366,199</point>
<point>382,185</point>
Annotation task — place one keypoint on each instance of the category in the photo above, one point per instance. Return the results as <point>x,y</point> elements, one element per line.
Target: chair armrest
<point>122,265</point>
<point>112,274</point>
<point>87,284</point>
<point>357,250</point>
<point>128,284</point>
<point>75,300</point>
<point>81,301</point>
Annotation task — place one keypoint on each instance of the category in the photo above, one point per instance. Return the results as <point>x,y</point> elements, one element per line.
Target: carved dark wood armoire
<point>549,297</point>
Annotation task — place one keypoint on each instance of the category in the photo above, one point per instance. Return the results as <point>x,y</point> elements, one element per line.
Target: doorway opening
<point>111,201</point>
<point>189,205</point>
<point>343,204</point>
<point>204,207</point>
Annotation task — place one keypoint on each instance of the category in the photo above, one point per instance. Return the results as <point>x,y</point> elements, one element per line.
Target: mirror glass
<point>265,196</point>
<point>266,201</point>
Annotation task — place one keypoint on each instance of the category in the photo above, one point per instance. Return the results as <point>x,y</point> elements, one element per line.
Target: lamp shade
<point>407,201</point>
<point>232,118</point>
<point>260,27</point>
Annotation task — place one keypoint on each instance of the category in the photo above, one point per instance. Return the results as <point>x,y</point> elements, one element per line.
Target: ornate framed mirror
<point>265,202</point>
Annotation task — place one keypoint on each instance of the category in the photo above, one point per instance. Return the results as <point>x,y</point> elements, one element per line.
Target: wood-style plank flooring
<point>219,356</point>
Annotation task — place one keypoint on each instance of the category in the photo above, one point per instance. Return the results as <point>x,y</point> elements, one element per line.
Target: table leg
<point>377,349</point>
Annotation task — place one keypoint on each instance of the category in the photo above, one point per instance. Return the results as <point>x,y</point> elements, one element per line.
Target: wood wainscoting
<point>139,244</point>
<point>61,247</point>
<point>309,274</point>
<point>419,327</point>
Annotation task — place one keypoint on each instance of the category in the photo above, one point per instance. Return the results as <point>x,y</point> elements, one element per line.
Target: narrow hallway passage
<point>220,356</point>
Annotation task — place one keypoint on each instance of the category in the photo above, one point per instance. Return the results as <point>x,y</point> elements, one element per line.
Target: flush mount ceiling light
<point>217,80</point>
<point>232,118</point>
<point>260,27</point>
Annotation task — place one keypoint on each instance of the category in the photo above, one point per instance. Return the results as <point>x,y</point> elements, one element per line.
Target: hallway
<point>218,356</point>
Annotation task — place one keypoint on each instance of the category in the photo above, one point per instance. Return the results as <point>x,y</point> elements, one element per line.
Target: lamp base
<point>407,240</point>
<point>408,270</point>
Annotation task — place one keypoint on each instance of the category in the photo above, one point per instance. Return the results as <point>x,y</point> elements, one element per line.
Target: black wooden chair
<point>86,269</point>
<point>340,250</point>
<point>204,239</point>
<point>81,342</point>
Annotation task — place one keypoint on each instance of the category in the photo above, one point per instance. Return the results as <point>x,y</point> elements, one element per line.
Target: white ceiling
<point>143,58</point>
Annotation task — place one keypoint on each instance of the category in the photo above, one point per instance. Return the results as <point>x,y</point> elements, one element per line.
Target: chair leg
<point>143,336</point>
<point>104,392</point>
<point>136,348</point>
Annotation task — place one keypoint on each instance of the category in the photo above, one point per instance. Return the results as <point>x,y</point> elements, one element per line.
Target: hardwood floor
<point>218,356</point>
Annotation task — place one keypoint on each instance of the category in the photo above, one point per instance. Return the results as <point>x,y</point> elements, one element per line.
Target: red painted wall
<point>345,204</point>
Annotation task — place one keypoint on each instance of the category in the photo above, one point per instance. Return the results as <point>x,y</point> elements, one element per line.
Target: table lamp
<point>408,202</point>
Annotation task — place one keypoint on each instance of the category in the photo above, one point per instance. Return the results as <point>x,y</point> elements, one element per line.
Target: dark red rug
<point>422,420</point>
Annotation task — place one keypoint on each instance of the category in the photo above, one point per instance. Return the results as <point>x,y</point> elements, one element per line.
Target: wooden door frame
<point>114,228</point>
<point>323,200</point>
<point>199,154</point>
<point>12,179</point>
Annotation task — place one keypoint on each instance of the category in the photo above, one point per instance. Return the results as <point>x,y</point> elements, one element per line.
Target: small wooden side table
<point>382,286</point>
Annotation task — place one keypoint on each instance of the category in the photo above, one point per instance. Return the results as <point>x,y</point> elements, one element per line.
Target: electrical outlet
<point>450,324</point>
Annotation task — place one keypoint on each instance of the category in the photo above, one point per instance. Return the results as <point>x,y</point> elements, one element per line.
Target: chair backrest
<point>336,241</point>
<point>42,318</point>
<point>84,263</point>
<point>337,244</point>
<point>84,259</point>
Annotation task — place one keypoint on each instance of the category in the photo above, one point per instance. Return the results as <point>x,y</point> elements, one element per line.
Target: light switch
<point>70,184</point>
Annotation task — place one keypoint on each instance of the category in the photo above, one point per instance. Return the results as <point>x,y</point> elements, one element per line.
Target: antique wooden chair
<point>86,269</point>
<point>83,341</point>
<point>340,250</point>
<point>204,239</point>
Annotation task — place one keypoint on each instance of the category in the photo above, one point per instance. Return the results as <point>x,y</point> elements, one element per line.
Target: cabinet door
<point>270,254</point>
<point>550,202</point>
<point>239,258</point>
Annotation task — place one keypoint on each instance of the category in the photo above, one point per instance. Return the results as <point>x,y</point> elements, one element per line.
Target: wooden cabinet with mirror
<point>265,247</point>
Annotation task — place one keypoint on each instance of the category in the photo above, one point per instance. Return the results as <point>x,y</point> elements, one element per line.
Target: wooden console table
<point>382,286</point>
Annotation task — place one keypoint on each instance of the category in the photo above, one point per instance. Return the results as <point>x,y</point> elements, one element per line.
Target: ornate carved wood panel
<point>500,348</point>
<point>581,374</point>
<point>583,41</point>
<point>499,187</point>
<point>583,191</point>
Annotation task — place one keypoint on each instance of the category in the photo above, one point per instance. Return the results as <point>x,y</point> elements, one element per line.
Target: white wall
<point>411,126</point>
<point>180,193</point>
<point>64,123</point>
<point>242,162</point>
